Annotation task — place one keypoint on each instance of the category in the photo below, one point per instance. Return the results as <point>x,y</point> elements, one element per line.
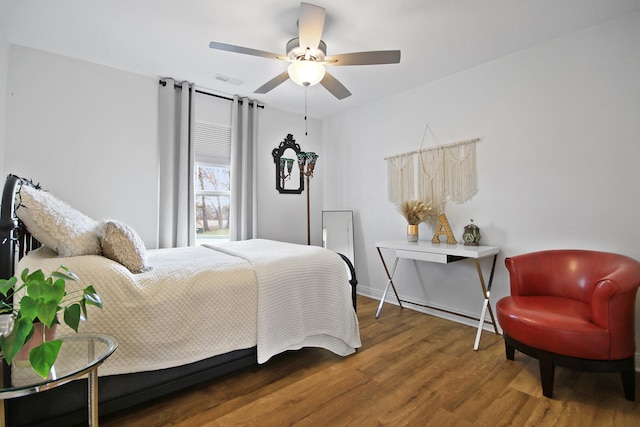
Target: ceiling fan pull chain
<point>305,111</point>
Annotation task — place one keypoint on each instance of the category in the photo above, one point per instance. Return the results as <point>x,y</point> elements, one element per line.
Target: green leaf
<point>37,276</point>
<point>28,307</point>
<point>72,316</point>
<point>44,356</point>
<point>57,291</point>
<point>36,288</point>
<point>44,297</point>
<point>47,312</point>
<point>67,275</point>
<point>7,284</point>
<point>12,344</point>
<point>47,290</point>
<point>5,308</point>
<point>83,308</point>
<point>92,297</point>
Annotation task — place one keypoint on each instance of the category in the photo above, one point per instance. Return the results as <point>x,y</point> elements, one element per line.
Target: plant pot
<point>412,233</point>
<point>40,334</point>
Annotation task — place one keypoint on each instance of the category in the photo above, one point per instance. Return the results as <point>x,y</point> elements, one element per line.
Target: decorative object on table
<point>413,231</point>
<point>471,235</point>
<point>415,212</point>
<point>442,171</point>
<point>443,227</point>
<point>288,180</point>
<point>42,298</point>
<point>309,159</point>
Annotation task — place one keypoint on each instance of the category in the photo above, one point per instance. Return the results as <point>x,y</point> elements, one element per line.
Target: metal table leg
<point>92,381</point>
<point>93,398</point>
<point>389,283</point>
<point>486,292</point>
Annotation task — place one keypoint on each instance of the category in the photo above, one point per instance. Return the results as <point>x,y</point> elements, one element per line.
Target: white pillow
<point>56,224</point>
<point>122,244</point>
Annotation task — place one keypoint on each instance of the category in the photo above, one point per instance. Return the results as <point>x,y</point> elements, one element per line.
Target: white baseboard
<point>455,315</point>
<point>417,305</point>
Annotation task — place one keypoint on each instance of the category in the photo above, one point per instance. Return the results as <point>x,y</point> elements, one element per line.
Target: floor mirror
<point>337,232</point>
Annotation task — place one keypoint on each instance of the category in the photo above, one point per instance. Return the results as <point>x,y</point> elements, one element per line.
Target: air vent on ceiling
<point>227,79</point>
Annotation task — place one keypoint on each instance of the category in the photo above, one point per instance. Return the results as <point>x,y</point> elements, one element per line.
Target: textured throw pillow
<point>56,224</point>
<point>122,244</point>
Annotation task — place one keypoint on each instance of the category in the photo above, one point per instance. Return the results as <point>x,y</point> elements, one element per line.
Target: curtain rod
<point>163,83</point>
<point>453,144</point>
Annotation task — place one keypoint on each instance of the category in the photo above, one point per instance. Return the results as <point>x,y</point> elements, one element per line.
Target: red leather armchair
<point>572,308</point>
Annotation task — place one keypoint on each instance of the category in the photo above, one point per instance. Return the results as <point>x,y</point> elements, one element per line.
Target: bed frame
<point>66,405</point>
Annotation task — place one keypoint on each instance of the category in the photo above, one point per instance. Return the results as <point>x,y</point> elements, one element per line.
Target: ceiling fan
<point>307,54</point>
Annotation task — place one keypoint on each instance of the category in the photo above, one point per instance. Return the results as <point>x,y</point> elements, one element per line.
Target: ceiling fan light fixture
<point>306,73</point>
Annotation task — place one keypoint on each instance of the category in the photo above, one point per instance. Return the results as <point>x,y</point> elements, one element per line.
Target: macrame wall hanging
<point>442,171</point>
<point>400,181</point>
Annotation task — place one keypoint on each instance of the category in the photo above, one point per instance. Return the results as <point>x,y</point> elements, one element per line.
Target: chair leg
<point>547,375</point>
<point>510,351</point>
<point>629,383</point>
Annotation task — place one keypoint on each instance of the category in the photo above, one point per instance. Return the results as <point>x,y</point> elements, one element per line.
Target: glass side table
<point>79,355</point>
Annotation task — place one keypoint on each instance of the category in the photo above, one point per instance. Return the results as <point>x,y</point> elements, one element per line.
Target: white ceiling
<point>171,37</point>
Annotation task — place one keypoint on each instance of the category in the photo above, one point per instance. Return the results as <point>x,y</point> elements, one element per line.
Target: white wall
<point>281,216</point>
<point>556,163</point>
<point>284,216</point>
<point>4,67</point>
<point>89,133</point>
<point>557,160</point>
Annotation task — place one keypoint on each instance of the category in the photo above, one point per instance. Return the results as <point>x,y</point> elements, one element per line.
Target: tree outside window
<point>213,191</point>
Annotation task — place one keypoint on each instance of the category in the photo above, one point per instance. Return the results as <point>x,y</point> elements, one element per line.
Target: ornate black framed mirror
<point>289,179</point>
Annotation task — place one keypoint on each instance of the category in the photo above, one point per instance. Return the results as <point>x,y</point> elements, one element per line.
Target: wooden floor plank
<point>413,369</point>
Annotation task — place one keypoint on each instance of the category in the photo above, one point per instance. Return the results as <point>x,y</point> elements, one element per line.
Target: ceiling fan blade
<point>365,58</point>
<point>245,50</point>
<point>310,25</point>
<point>336,88</point>
<point>277,80</point>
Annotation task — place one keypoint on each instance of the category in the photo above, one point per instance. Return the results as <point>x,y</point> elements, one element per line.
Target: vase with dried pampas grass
<point>415,212</point>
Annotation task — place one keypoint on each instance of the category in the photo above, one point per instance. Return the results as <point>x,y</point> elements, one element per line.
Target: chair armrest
<point>613,309</point>
<point>614,296</point>
<point>527,275</point>
<point>613,305</point>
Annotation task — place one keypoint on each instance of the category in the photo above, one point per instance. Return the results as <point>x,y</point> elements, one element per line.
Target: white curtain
<point>243,218</point>
<point>176,217</point>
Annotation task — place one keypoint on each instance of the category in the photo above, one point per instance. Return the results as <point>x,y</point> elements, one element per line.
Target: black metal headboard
<point>14,237</point>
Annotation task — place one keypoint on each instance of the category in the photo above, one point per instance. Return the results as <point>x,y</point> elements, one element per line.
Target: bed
<point>181,315</point>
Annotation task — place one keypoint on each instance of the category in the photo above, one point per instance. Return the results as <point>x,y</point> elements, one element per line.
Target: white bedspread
<point>304,299</point>
<point>193,304</point>
<point>198,302</point>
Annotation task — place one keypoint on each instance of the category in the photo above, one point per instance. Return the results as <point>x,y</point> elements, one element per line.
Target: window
<point>212,168</point>
<point>213,192</point>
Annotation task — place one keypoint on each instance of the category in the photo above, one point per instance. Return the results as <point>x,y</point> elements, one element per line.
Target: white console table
<point>443,254</point>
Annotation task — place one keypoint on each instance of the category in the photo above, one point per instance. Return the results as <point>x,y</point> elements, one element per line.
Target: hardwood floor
<point>412,370</point>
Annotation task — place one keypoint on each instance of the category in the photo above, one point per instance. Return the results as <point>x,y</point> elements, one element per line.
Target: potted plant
<point>42,298</point>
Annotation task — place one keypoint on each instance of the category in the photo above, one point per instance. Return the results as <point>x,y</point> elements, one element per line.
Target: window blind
<point>212,143</point>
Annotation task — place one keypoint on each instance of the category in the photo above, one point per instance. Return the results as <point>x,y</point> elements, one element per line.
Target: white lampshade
<point>306,73</point>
